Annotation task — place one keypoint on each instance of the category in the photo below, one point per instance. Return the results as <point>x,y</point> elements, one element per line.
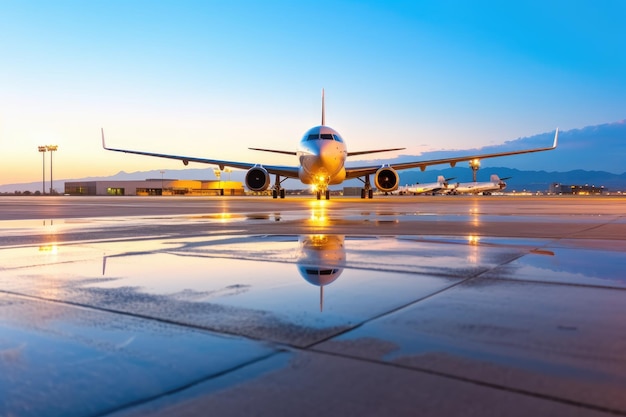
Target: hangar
<point>154,187</point>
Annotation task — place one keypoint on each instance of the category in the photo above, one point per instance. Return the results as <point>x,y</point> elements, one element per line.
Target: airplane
<point>434,187</point>
<point>322,154</point>
<point>495,184</point>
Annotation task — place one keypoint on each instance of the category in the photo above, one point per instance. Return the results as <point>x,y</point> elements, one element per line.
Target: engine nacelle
<point>257,178</point>
<point>386,179</point>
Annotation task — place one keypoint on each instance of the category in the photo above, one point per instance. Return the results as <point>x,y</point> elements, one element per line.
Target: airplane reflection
<point>321,260</point>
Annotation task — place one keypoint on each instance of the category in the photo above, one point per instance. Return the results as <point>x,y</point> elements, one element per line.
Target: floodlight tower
<point>51,148</point>
<point>43,149</point>
<point>474,164</point>
<point>218,175</point>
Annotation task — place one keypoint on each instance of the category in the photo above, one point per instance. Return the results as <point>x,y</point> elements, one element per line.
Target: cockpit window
<point>325,136</point>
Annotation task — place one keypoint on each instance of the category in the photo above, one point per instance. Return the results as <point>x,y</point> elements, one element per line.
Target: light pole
<point>474,164</point>
<point>218,174</point>
<point>43,149</point>
<point>51,148</point>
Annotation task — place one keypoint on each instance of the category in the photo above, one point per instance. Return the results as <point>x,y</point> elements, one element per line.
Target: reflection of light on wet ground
<point>474,254</point>
<point>567,265</point>
<point>256,281</point>
<point>319,216</point>
<point>51,249</point>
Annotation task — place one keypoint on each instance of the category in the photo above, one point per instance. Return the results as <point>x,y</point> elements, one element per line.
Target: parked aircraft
<point>495,184</point>
<point>442,185</point>
<point>322,155</point>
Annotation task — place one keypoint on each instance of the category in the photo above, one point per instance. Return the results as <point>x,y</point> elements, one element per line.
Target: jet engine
<point>257,178</point>
<point>386,179</point>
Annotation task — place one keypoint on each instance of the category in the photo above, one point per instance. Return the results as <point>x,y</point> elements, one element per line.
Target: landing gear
<point>318,194</point>
<point>278,190</point>
<point>366,191</point>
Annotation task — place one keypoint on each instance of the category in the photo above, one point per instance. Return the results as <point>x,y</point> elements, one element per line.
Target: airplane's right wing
<point>283,171</point>
<point>355,172</point>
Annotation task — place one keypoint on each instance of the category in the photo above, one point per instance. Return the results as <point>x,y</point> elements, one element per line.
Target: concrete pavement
<point>250,306</point>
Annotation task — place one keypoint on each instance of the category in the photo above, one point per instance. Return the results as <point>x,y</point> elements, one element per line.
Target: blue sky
<point>212,78</point>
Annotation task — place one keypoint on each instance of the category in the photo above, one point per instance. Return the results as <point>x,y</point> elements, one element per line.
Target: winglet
<point>556,138</point>
<point>103,144</point>
<point>323,112</point>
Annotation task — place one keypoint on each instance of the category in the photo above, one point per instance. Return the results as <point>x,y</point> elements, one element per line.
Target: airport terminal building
<point>155,187</point>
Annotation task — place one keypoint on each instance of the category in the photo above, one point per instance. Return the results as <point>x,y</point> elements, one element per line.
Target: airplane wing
<point>355,172</point>
<point>374,151</point>
<point>283,171</point>
<point>274,151</point>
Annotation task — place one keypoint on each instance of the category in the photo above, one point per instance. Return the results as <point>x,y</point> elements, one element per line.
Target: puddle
<point>287,288</point>
<point>568,265</point>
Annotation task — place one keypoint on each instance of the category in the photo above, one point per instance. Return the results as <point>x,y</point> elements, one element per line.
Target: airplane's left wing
<point>355,172</point>
<point>284,171</point>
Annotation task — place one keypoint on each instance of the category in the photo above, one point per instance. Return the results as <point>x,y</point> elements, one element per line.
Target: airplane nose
<point>330,156</point>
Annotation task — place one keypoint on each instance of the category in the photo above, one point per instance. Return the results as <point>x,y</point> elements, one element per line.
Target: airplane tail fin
<point>441,179</point>
<point>323,111</point>
<point>495,178</point>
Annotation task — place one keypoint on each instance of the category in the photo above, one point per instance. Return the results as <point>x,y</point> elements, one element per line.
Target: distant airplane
<point>322,155</point>
<point>495,184</point>
<point>433,187</point>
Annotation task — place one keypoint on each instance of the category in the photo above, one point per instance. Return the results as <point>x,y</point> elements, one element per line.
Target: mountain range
<point>594,155</point>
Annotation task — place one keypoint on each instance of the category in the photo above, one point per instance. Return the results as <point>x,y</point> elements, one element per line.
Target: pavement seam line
<point>475,381</point>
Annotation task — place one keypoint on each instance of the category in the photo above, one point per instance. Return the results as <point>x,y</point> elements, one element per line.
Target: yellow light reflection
<point>474,212</point>
<point>319,215</point>
<point>225,217</point>
<point>51,249</point>
<point>474,255</point>
<point>473,239</point>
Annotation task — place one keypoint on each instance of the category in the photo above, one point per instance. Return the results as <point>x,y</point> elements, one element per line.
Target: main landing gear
<point>278,190</point>
<point>367,191</point>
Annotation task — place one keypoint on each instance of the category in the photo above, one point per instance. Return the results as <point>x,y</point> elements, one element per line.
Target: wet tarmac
<point>253,306</point>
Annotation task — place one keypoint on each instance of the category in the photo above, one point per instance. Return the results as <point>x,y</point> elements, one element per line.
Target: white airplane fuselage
<point>440,186</point>
<point>322,154</point>
<point>496,184</point>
